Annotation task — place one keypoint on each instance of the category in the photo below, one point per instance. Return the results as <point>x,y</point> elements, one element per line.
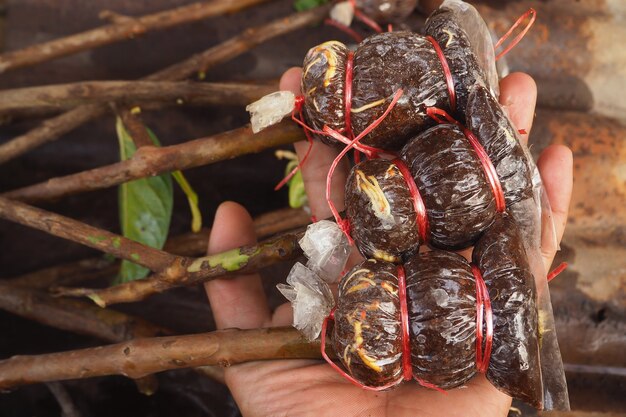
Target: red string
<point>483,303</point>
<point>337,368</point>
<point>421,217</point>
<point>344,224</point>
<point>347,96</point>
<point>407,369</point>
<point>489,169</point>
<point>446,71</point>
<point>530,12</point>
<point>556,271</point>
<point>365,19</point>
<point>346,29</point>
<point>298,108</point>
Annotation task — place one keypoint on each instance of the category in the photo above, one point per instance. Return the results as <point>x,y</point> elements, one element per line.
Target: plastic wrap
<point>480,39</point>
<point>458,198</point>
<point>310,298</point>
<point>366,335</point>
<point>322,84</point>
<point>441,294</point>
<point>515,366</point>
<point>270,109</point>
<point>539,236</point>
<point>387,11</point>
<point>380,210</point>
<point>327,249</point>
<point>342,12</point>
<point>446,27</point>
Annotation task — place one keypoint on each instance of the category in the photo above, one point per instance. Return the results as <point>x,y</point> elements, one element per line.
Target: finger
<point>518,95</point>
<point>315,169</point>
<point>239,301</point>
<point>556,167</point>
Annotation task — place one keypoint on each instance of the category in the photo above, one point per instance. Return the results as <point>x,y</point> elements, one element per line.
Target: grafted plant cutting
<point>445,169</point>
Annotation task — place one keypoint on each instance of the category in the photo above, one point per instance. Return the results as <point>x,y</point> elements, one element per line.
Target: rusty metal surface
<point>574,51</point>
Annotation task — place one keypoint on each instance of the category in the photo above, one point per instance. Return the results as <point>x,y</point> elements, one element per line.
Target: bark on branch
<point>150,161</point>
<point>75,316</point>
<point>141,357</point>
<point>170,271</point>
<point>243,260</point>
<point>53,128</point>
<point>188,244</point>
<point>51,98</point>
<point>119,30</point>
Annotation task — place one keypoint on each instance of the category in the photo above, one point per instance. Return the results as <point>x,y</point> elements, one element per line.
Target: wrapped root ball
<point>514,367</point>
<point>380,209</point>
<point>387,11</point>
<point>367,334</point>
<point>459,200</point>
<point>383,64</point>
<point>445,25</point>
<point>441,298</point>
<point>488,121</point>
<point>322,84</point>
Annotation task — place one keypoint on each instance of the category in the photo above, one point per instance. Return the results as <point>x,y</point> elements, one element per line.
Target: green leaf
<point>145,207</point>
<point>302,5</point>
<point>297,193</point>
<point>192,198</point>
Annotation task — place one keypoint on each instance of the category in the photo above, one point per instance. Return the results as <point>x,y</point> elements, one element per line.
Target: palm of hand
<point>307,387</point>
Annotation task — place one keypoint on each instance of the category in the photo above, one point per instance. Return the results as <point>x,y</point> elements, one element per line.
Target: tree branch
<point>188,244</point>
<point>170,271</point>
<point>121,29</point>
<point>243,260</point>
<point>102,240</point>
<point>141,357</point>
<point>53,128</point>
<point>51,98</point>
<point>75,315</point>
<point>150,161</point>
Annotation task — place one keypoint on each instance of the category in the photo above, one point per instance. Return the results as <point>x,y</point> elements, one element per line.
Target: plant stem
<point>170,271</point>
<point>149,161</point>
<point>75,315</point>
<point>141,357</point>
<point>53,128</point>
<point>79,232</point>
<point>243,260</point>
<point>51,98</point>
<point>119,30</point>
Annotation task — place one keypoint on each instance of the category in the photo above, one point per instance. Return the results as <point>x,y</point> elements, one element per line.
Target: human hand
<point>308,387</point>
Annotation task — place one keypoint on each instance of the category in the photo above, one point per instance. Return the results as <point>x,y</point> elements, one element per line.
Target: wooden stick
<point>51,98</point>
<point>149,161</point>
<point>53,128</point>
<point>141,357</point>
<point>170,271</point>
<point>75,315</point>
<point>119,30</point>
<point>242,260</point>
<point>61,226</point>
<point>188,244</point>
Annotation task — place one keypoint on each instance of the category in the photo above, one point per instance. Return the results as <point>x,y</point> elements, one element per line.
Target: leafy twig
<point>148,161</point>
<point>53,128</point>
<point>119,30</point>
<point>142,357</point>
